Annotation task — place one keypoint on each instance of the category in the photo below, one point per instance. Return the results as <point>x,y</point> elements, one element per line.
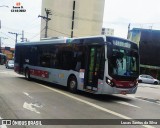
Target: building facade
<point>107,31</point>
<point>149,49</point>
<point>73,18</point>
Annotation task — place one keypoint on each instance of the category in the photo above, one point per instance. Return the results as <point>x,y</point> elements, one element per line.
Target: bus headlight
<point>109,82</point>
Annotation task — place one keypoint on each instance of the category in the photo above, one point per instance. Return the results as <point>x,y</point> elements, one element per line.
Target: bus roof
<point>68,40</point>
<point>43,42</point>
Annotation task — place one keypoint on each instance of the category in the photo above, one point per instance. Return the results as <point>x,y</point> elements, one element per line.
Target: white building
<point>107,31</point>
<point>83,19</point>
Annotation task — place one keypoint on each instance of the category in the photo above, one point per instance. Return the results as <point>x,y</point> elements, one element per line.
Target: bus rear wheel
<point>27,74</point>
<point>72,84</point>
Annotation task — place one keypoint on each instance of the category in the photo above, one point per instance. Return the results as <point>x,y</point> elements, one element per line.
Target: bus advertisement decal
<point>39,73</point>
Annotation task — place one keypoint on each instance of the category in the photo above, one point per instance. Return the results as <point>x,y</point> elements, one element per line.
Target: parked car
<point>147,79</point>
<point>10,64</point>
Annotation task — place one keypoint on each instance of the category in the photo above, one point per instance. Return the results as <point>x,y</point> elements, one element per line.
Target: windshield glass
<point>11,62</point>
<point>123,62</point>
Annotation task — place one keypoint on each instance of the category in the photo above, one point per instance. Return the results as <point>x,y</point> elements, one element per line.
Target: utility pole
<point>22,36</point>
<point>46,18</point>
<point>128,30</point>
<point>73,14</point>
<point>16,35</point>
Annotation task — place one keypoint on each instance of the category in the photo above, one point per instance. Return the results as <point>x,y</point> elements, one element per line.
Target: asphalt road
<point>22,99</point>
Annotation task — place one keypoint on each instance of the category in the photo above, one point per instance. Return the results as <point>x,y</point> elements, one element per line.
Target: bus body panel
<point>114,90</point>
<point>55,76</point>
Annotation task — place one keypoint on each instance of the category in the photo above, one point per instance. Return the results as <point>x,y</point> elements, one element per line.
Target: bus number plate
<point>123,92</point>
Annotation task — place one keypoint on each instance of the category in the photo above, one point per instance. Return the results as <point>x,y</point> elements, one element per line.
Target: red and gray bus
<point>97,64</point>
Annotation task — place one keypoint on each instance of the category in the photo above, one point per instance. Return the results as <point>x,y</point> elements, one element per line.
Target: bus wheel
<point>72,84</point>
<point>155,82</point>
<point>27,74</point>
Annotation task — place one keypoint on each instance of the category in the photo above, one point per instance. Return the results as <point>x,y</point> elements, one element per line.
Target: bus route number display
<point>122,43</point>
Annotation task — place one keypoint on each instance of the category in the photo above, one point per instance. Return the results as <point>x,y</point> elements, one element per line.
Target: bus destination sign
<point>122,43</point>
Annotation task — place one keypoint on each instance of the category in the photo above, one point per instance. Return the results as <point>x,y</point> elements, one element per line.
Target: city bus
<point>3,58</point>
<point>97,64</point>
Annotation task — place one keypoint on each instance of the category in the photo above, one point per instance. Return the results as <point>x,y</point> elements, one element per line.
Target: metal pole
<point>73,14</point>
<point>22,36</point>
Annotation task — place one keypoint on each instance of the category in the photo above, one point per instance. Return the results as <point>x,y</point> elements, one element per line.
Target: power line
<point>36,34</point>
<point>15,34</point>
<point>59,32</point>
<point>7,35</point>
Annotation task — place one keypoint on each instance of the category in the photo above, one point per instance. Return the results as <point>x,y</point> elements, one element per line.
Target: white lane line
<point>93,105</point>
<point>25,93</point>
<point>134,97</point>
<point>128,104</point>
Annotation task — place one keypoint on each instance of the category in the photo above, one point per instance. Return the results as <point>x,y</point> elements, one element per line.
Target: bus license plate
<point>123,92</point>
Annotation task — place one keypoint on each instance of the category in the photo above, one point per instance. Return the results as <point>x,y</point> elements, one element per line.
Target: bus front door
<point>94,53</point>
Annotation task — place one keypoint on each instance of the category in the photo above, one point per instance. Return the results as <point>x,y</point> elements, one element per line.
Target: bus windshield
<point>123,62</point>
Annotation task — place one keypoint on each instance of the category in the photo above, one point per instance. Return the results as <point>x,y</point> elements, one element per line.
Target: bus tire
<point>72,84</point>
<point>27,74</point>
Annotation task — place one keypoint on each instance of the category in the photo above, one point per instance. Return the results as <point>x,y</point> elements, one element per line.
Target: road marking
<point>25,93</point>
<point>148,101</point>
<point>93,105</point>
<point>31,107</point>
<point>134,97</point>
<point>128,104</point>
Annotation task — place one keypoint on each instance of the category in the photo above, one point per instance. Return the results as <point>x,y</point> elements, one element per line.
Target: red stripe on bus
<point>125,83</point>
<point>39,73</point>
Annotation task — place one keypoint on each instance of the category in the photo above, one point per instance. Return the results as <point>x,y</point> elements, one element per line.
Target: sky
<point>15,22</point>
<point>118,14</point>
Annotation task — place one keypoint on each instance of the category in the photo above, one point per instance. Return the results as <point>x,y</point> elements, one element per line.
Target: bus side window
<point>78,61</point>
<point>67,60</point>
<point>102,63</point>
<point>45,61</point>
